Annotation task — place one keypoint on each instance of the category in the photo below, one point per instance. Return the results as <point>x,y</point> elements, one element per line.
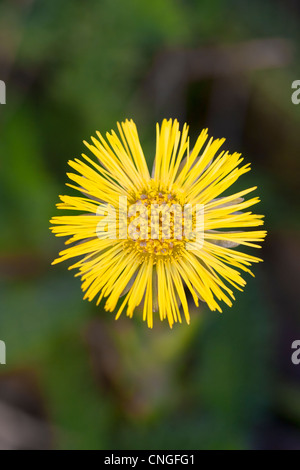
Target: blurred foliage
<point>73,67</point>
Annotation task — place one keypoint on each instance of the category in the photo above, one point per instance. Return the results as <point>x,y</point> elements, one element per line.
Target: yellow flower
<point>151,264</point>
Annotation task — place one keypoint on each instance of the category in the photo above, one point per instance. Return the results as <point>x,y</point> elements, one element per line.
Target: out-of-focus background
<point>75,378</point>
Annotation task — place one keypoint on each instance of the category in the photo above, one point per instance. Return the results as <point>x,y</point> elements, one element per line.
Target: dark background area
<point>75,378</point>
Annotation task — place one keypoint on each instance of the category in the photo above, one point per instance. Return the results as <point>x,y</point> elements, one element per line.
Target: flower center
<point>156,224</point>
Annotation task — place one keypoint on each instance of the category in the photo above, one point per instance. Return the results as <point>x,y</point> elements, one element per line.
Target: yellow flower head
<point>149,238</point>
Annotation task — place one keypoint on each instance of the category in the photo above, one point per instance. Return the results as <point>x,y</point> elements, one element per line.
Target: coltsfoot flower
<point>151,238</point>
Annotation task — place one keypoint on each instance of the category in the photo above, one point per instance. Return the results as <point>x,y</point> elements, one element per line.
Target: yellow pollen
<point>158,225</point>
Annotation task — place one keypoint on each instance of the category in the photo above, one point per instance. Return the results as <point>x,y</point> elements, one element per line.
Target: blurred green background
<point>75,378</point>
